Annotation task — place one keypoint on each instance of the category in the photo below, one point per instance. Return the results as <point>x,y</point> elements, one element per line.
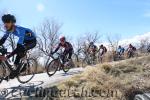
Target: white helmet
<point>62,38</point>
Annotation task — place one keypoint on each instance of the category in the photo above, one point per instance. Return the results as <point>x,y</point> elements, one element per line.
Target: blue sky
<point>125,17</point>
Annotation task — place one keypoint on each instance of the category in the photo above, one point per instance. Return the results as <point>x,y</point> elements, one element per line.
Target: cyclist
<point>27,40</point>
<point>101,52</point>
<point>131,50</point>
<point>67,46</point>
<point>102,49</point>
<point>92,48</point>
<point>120,50</point>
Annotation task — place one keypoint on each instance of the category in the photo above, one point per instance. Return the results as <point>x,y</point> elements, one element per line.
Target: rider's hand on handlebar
<point>51,53</point>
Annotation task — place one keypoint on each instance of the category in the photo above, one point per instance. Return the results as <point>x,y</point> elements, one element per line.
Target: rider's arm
<point>3,39</point>
<point>69,46</point>
<point>57,49</point>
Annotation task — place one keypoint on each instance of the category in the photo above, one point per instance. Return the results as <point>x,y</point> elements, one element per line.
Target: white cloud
<point>40,7</point>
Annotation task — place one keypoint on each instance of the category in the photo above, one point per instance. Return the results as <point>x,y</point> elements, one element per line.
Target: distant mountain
<point>136,39</point>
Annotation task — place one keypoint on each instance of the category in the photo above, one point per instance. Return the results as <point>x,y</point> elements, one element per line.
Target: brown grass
<point>126,79</point>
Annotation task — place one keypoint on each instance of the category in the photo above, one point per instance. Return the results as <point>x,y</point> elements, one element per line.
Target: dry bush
<point>40,69</point>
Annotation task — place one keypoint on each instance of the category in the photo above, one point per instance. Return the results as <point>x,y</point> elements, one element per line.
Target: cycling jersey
<point>66,45</point>
<point>24,34</point>
<point>102,50</point>
<point>68,50</point>
<point>92,47</point>
<point>131,49</point>
<point>120,50</point>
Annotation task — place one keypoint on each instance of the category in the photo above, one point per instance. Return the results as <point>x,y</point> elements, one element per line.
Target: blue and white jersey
<point>24,34</point>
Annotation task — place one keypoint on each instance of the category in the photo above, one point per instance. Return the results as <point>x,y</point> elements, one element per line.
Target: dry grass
<point>124,79</point>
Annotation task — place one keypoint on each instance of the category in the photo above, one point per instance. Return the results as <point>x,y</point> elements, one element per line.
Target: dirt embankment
<point>110,81</point>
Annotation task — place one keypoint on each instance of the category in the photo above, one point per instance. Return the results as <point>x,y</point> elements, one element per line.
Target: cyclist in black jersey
<point>67,46</point>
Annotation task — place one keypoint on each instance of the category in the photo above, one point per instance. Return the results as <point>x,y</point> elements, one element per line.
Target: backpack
<point>105,49</point>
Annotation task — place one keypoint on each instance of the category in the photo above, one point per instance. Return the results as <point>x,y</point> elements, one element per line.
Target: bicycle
<point>131,53</point>
<point>78,57</point>
<point>89,59</point>
<point>57,64</point>
<point>118,56</point>
<point>25,72</point>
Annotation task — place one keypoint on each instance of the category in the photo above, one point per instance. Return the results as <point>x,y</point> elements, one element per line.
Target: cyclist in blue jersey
<point>120,50</point>
<point>27,38</point>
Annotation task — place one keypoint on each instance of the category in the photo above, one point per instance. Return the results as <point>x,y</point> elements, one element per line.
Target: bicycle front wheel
<point>52,67</point>
<point>27,71</point>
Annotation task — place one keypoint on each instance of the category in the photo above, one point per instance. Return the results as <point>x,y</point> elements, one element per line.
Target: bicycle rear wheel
<point>67,67</point>
<point>27,71</point>
<point>52,67</point>
<point>75,61</point>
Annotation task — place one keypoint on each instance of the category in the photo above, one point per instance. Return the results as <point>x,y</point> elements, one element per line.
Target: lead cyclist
<point>27,40</point>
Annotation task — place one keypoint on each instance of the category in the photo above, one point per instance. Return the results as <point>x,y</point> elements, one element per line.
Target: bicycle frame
<point>59,57</point>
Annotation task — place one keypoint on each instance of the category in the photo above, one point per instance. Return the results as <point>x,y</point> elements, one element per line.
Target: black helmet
<point>91,43</point>
<point>101,45</point>
<point>8,18</point>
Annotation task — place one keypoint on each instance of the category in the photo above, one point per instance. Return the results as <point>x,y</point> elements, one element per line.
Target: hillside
<point>113,81</point>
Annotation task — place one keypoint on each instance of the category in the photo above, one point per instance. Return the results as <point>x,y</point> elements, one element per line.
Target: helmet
<point>119,46</point>
<point>62,38</point>
<point>130,45</point>
<point>8,18</point>
<point>101,45</point>
<point>91,43</point>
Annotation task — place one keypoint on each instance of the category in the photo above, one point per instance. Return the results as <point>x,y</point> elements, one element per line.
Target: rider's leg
<point>18,57</point>
<point>67,53</point>
<point>70,54</point>
<point>64,56</point>
<point>30,44</point>
<point>16,63</point>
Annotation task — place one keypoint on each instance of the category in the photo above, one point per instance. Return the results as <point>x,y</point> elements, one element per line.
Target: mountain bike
<point>89,59</point>
<point>25,70</point>
<point>131,53</point>
<point>118,56</point>
<point>55,64</point>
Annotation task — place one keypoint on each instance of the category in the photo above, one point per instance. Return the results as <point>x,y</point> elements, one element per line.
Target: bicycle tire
<point>75,61</point>
<point>48,68</point>
<point>29,73</point>
<point>67,68</point>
